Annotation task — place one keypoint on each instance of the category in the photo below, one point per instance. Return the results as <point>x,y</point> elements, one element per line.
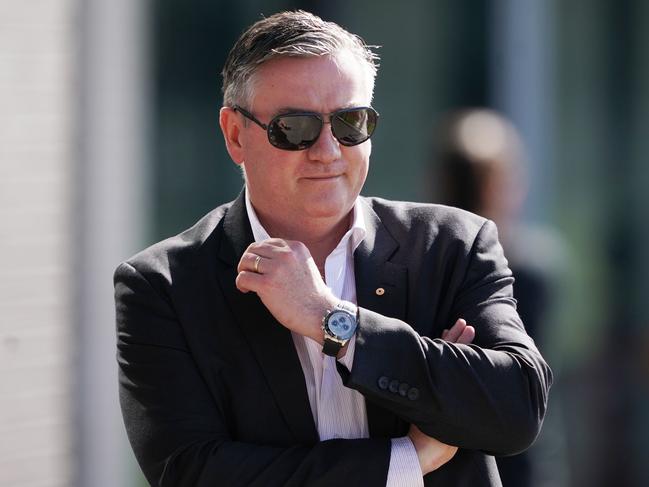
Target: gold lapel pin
<point>380,291</point>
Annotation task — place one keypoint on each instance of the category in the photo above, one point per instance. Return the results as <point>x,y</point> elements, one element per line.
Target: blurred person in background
<point>479,164</point>
<point>304,335</point>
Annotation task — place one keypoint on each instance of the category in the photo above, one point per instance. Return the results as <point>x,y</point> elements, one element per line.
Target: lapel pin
<point>380,291</point>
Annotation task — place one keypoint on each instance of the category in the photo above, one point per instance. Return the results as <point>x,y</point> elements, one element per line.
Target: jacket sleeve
<point>178,430</point>
<point>490,395</point>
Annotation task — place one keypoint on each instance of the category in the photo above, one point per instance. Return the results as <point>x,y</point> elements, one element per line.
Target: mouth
<point>327,177</point>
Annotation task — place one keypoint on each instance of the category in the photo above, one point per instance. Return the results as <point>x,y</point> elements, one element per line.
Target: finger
<point>456,331</point>
<point>268,243</point>
<point>274,249</point>
<point>467,336</point>
<point>444,333</point>
<point>249,281</point>
<point>267,248</point>
<point>414,430</point>
<point>276,242</point>
<point>248,262</point>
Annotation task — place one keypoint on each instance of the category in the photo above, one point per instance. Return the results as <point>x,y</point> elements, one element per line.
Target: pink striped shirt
<point>338,411</point>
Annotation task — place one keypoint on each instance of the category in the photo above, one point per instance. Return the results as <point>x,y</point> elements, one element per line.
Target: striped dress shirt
<point>338,411</point>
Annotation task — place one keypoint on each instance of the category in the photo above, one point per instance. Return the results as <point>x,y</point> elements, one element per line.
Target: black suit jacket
<point>212,391</point>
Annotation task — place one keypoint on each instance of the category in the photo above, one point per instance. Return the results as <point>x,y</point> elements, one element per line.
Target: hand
<point>289,284</point>
<point>459,333</point>
<point>432,453</point>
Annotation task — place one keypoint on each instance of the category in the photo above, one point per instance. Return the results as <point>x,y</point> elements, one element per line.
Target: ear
<point>231,125</point>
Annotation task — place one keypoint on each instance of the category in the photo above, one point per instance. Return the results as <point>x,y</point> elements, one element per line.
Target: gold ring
<point>257,259</point>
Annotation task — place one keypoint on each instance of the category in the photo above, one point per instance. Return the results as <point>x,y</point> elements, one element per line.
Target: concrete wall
<point>73,167</point>
<point>36,178</point>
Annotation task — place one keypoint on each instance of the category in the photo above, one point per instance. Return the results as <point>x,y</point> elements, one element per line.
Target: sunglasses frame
<point>316,115</point>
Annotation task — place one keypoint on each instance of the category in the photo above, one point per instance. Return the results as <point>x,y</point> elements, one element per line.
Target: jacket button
<point>413,393</point>
<point>403,389</point>
<point>394,386</point>
<point>383,382</point>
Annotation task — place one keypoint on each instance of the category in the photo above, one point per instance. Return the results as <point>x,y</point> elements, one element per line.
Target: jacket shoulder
<point>428,220</point>
<point>160,257</point>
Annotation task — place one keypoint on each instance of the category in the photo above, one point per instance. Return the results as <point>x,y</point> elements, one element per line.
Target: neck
<point>320,235</point>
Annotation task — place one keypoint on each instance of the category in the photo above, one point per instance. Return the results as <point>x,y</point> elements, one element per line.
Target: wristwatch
<point>338,325</point>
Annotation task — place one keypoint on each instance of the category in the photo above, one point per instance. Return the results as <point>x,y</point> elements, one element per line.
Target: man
<point>294,336</point>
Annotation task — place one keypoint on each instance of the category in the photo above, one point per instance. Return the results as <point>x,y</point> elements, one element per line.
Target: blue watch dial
<point>341,324</point>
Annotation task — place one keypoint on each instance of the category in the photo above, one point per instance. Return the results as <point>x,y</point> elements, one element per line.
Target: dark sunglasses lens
<point>355,126</point>
<point>294,132</point>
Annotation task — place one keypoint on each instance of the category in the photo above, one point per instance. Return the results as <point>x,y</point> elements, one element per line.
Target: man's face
<point>318,184</point>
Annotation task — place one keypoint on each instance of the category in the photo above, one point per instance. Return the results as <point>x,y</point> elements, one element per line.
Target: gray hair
<point>288,34</point>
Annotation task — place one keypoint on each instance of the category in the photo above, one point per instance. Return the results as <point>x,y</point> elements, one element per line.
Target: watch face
<point>341,324</point>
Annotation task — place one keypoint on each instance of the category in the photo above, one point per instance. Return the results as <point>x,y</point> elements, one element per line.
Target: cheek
<point>362,162</point>
<point>270,171</point>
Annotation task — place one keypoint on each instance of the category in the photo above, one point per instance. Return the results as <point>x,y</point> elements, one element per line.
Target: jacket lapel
<point>381,286</point>
<point>271,342</point>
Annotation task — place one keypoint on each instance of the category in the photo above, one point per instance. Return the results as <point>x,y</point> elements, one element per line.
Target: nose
<point>326,149</point>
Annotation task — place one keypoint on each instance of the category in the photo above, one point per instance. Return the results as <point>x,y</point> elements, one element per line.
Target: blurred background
<point>109,141</point>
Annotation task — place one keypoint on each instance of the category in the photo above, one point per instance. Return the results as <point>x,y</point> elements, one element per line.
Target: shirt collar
<point>354,235</point>
<point>258,231</point>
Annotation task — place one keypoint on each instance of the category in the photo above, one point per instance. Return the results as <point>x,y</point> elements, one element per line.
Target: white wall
<point>73,204</point>
<point>36,178</point>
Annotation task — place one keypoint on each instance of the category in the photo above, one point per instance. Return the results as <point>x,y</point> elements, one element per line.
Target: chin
<point>332,209</point>
<point>324,211</point>
<point>328,202</point>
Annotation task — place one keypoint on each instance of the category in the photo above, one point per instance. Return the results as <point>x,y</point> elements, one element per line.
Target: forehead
<point>321,84</point>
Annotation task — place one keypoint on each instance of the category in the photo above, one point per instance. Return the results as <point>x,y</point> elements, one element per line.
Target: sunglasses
<point>300,130</point>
